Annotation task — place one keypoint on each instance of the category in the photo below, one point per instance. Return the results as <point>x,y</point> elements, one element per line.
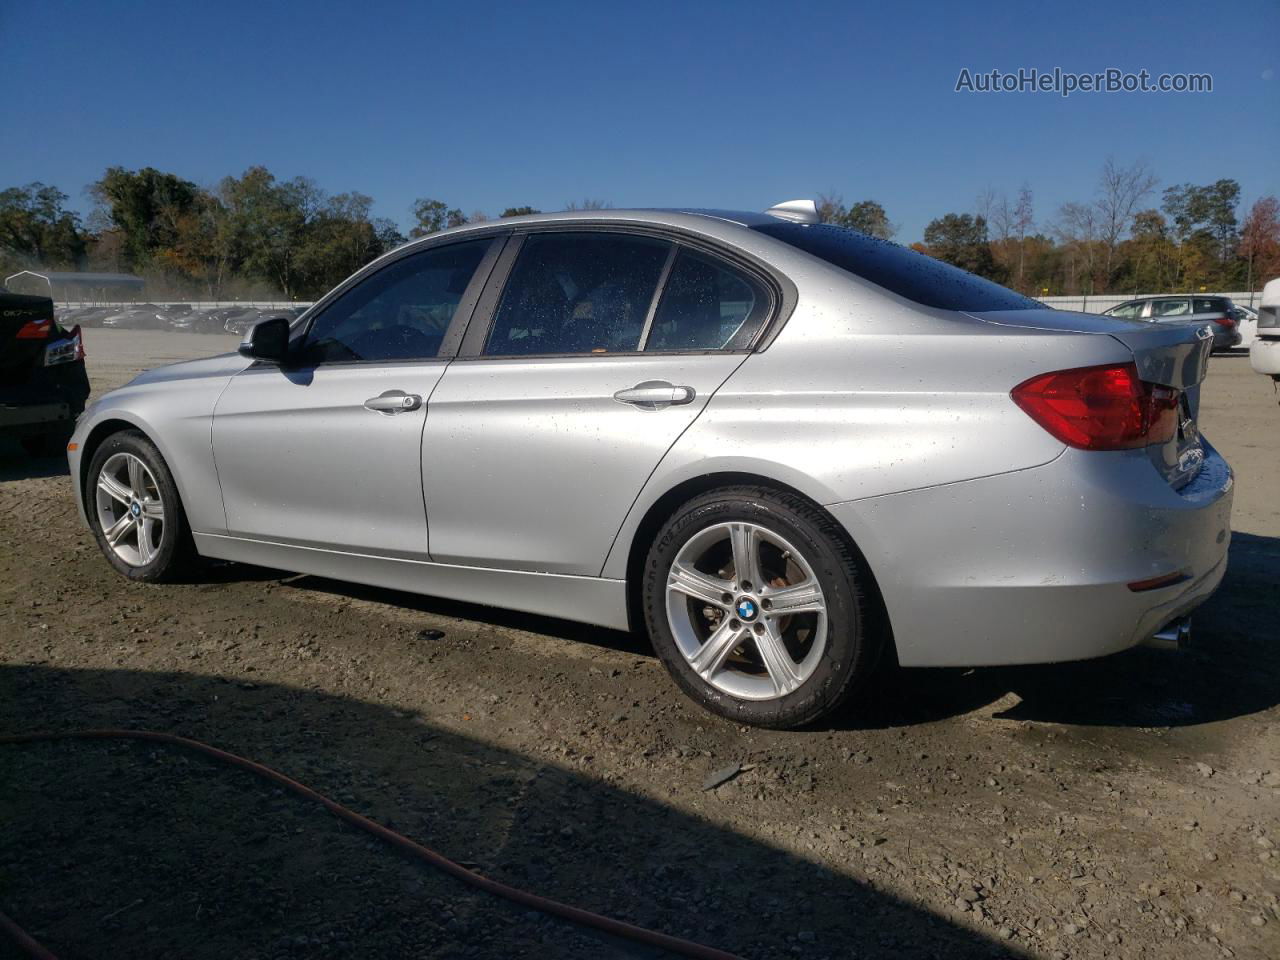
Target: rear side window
<point>1173,307</point>
<point>573,293</point>
<point>399,313</point>
<point>1210,305</point>
<point>706,305</point>
<point>899,270</point>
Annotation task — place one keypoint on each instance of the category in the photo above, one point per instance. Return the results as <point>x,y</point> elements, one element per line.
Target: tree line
<point>252,236</point>
<point>1129,237</point>
<point>258,236</point>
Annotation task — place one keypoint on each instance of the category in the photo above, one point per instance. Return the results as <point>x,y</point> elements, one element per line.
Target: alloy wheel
<point>746,611</point>
<point>130,509</point>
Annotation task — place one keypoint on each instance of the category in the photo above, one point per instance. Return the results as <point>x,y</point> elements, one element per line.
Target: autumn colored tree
<point>1260,241</point>
<point>1120,191</point>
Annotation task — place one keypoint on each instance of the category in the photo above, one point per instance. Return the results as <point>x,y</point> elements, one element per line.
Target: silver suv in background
<point>1188,309</point>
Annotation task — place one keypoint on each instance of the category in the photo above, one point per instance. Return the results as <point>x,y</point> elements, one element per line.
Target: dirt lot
<point>1128,807</point>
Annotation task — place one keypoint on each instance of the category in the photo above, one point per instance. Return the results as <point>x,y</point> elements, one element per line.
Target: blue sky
<point>738,105</point>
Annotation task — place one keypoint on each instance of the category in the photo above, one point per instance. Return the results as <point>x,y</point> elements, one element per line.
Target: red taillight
<point>1226,321</point>
<point>1100,408</point>
<point>34,330</point>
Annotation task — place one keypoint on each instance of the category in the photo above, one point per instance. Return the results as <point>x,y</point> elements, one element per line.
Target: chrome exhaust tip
<point>1172,636</point>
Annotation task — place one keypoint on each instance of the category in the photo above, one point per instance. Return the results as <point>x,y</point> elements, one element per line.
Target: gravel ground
<point>1127,807</point>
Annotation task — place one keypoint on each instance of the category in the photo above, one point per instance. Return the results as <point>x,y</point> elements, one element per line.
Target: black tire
<point>856,636</point>
<point>176,553</point>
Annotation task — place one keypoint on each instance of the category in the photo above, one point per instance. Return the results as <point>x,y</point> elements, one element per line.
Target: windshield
<point>899,269</point>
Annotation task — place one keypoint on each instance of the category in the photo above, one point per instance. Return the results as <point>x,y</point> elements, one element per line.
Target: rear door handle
<point>653,394</point>
<point>394,401</point>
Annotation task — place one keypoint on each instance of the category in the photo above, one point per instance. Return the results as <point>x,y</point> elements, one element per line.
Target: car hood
<point>223,365</point>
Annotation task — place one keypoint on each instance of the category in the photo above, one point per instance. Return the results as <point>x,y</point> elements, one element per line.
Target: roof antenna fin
<point>800,211</point>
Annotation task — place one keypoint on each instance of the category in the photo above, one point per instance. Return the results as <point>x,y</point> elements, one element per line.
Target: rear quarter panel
<point>863,395</point>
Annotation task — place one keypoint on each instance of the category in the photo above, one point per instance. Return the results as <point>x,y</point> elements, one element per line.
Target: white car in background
<point>1264,354</point>
<point>1247,324</point>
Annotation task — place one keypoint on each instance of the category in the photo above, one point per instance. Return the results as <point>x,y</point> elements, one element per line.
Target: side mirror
<point>267,340</point>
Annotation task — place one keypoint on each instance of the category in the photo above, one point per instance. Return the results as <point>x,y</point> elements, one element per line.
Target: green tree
<point>36,229</point>
<point>268,221</point>
<point>1210,209</point>
<point>146,206</point>
<point>518,211</point>
<point>1148,260</point>
<point>432,216</point>
<point>865,216</point>
<point>961,239</point>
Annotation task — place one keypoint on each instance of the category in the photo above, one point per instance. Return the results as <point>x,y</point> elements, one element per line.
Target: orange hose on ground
<point>586,918</point>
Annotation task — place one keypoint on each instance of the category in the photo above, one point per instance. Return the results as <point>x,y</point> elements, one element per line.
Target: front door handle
<point>653,394</point>
<point>394,401</point>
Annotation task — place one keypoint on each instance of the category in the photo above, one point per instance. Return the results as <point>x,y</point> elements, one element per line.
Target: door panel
<point>531,464</point>
<point>326,452</point>
<point>302,460</point>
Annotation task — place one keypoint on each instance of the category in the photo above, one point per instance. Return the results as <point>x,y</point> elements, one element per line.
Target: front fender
<point>177,416</point>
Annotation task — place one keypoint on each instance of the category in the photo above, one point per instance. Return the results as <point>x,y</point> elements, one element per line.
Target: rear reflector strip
<point>1155,583</point>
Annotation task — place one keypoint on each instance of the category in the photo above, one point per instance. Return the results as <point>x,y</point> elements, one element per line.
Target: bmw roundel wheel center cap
<point>747,609</point>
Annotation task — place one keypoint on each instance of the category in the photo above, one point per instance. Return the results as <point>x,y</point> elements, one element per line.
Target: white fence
<point>196,304</point>
<point>1082,303</point>
<point>1101,302</point>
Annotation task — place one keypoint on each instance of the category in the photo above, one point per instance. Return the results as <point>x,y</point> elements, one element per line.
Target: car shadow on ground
<point>116,848</point>
<point>1231,669</point>
<point>17,464</point>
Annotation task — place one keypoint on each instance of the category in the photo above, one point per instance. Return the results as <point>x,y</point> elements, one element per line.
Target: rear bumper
<point>49,401</point>
<point>1034,566</point>
<point>1264,356</point>
<point>1226,339</point>
<point>34,419</point>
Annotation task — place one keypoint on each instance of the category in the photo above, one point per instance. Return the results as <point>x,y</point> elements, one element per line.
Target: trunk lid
<point>1171,355</point>
<point>26,326</point>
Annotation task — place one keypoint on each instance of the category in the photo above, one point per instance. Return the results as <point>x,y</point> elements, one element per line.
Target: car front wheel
<point>757,605</point>
<point>134,510</point>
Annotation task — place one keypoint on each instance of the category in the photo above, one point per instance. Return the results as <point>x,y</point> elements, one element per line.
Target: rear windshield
<point>899,269</point>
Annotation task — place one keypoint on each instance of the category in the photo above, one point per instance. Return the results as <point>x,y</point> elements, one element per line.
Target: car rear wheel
<point>756,604</point>
<point>134,509</point>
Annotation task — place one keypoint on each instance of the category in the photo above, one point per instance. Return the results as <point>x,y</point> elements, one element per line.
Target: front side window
<point>399,313</point>
<point>706,305</point>
<point>1179,307</point>
<point>577,293</point>
<point>1126,311</point>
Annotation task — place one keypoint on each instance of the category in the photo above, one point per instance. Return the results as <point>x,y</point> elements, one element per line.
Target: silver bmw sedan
<point>786,450</point>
